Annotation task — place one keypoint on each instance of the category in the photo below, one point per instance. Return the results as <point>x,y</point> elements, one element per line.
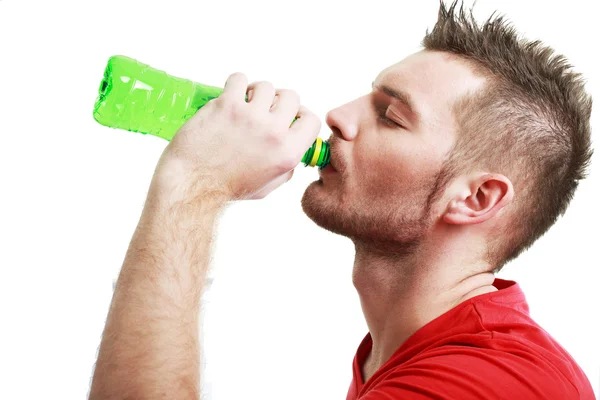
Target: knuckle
<point>289,97</point>
<point>234,110</point>
<point>274,137</point>
<point>262,84</point>
<point>220,102</point>
<point>289,93</point>
<point>238,74</point>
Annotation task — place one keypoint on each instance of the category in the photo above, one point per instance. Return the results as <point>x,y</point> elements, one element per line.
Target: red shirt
<point>487,347</point>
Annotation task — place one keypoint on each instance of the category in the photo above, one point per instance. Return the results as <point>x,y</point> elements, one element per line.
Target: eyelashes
<point>389,122</point>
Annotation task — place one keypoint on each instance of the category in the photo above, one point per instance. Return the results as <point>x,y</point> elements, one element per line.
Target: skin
<point>415,259</point>
<point>150,345</point>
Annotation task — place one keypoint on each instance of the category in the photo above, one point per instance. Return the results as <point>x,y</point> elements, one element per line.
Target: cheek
<point>386,175</point>
<point>392,173</point>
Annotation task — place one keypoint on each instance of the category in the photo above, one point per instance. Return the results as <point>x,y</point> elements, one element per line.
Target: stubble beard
<point>393,228</point>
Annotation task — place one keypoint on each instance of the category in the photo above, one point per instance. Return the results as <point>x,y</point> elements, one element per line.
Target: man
<point>459,159</point>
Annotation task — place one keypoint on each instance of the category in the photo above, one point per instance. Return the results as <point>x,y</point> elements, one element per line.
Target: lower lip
<point>328,170</point>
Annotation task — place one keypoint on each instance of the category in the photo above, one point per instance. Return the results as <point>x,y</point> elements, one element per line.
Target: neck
<point>400,294</point>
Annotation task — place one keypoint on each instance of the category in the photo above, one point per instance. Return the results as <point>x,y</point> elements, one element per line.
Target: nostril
<point>342,123</point>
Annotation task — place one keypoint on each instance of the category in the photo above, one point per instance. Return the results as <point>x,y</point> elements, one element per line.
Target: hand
<point>243,150</point>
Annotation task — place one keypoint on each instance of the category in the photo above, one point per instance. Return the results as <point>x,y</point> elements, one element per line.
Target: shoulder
<point>460,372</point>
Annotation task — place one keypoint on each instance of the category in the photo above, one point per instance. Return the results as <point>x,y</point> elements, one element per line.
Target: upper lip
<point>333,160</point>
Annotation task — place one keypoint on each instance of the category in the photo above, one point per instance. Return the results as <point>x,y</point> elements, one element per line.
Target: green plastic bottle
<point>136,97</point>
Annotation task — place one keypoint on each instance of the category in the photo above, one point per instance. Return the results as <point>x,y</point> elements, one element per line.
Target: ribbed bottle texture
<point>136,97</point>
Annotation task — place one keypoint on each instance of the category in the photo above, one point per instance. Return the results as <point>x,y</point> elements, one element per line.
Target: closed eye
<point>389,122</point>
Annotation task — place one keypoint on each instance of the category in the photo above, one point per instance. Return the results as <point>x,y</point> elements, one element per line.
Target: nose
<point>343,122</point>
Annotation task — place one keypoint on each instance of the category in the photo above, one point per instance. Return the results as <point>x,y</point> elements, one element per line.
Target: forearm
<point>150,346</point>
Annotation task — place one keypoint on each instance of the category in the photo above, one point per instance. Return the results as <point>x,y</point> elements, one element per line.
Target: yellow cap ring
<point>319,144</point>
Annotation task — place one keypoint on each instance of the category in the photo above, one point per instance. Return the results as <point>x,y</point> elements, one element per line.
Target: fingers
<point>303,132</point>
<point>282,103</point>
<point>261,95</point>
<point>285,106</point>
<point>236,86</point>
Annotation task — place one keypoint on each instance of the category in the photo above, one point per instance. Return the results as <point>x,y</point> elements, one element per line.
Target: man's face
<point>388,149</point>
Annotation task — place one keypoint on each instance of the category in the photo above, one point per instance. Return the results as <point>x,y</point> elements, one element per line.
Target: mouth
<point>334,160</point>
<point>333,163</point>
<point>328,170</point>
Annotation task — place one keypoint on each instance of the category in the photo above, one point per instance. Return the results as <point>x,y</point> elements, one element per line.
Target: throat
<point>368,368</point>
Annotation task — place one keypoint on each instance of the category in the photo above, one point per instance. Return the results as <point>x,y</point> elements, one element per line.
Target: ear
<point>480,200</point>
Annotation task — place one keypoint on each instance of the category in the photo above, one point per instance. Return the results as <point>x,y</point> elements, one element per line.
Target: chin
<point>316,204</point>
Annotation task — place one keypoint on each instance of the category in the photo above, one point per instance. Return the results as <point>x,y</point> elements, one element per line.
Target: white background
<point>282,319</point>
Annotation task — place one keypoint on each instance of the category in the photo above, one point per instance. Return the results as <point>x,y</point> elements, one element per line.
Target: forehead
<point>434,80</point>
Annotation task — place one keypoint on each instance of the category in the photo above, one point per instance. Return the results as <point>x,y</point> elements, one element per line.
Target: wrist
<point>174,183</point>
<point>173,222</point>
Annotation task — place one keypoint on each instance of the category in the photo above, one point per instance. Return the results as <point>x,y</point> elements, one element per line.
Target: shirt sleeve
<point>473,374</point>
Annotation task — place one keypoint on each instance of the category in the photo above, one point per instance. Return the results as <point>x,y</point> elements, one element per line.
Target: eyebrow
<point>399,95</point>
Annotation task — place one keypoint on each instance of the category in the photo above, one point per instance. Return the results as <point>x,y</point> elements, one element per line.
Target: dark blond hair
<point>530,123</point>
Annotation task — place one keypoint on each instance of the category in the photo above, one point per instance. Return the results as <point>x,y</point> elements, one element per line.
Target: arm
<point>229,150</point>
<point>150,346</point>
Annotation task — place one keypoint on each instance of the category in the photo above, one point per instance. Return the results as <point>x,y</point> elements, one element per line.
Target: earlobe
<point>487,195</point>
